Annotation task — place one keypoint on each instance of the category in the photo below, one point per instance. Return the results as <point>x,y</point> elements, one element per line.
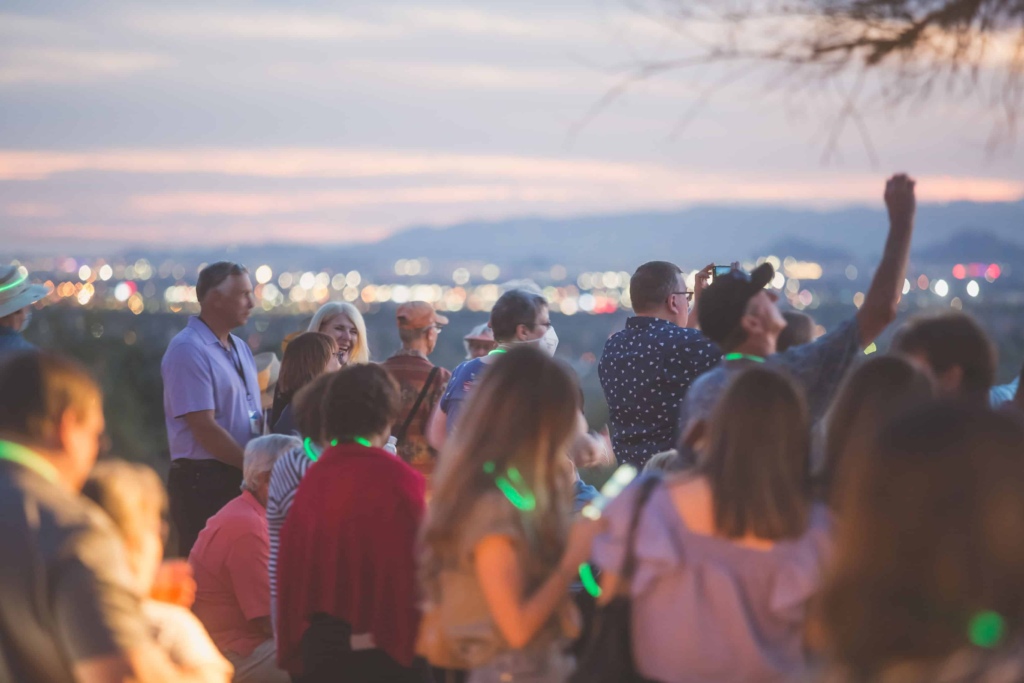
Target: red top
<point>348,550</point>
<point>230,560</point>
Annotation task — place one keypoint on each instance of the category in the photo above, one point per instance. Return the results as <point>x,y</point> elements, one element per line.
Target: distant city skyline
<point>252,122</point>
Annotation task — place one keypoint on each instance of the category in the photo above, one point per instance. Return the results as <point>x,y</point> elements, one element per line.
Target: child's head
<point>133,497</point>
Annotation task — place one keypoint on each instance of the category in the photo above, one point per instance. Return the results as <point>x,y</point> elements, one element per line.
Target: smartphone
<point>721,270</point>
<point>620,479</point>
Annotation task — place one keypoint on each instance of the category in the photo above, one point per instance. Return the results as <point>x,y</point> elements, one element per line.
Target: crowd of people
<point>800,512</point>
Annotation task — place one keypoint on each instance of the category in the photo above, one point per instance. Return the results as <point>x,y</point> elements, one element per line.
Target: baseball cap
<point>724,301</point>
<point>416,315</point>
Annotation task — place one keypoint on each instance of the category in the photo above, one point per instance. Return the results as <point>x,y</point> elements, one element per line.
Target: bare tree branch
<point>909,50</point>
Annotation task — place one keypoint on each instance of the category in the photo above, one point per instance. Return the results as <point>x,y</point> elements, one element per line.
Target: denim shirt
<point>818,367</point>
<point>12,342</point>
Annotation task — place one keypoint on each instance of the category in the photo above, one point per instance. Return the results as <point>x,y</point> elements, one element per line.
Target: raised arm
<point>700,282</point>
<point>879,308</point>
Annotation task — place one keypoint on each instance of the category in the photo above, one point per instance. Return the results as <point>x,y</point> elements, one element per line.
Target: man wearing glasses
<point>422,383</point>
<point>646,368</point>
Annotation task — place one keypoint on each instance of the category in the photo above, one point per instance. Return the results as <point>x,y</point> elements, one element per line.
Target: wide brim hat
<point>268,369</point>
<point>16,292</point>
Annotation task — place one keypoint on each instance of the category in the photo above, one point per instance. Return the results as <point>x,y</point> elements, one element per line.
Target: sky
<point>190,123</point>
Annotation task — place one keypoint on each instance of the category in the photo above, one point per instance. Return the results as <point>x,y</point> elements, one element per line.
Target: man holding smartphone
<point>646,368</point>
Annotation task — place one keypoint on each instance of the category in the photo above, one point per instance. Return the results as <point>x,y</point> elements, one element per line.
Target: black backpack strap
<point>400,435</point>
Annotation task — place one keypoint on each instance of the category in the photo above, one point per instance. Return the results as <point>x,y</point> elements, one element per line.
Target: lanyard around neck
<point>236,359</point>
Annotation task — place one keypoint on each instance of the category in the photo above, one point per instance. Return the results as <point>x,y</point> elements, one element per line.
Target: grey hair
<point>215,275</point>
<point>261,454</point>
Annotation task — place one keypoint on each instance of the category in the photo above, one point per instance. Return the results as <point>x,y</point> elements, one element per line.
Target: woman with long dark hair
<point>926,583</point>
<point>307,357</point>
<point>499,550</point>
<point>869,397</point>
<point>729,554</point>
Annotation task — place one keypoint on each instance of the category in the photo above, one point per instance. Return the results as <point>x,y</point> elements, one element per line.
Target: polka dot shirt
<point>645,370</point>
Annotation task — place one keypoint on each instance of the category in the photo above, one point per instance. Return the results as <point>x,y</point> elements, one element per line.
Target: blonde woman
<point>499,550</point>
<point>133,497</point>
<point>343,322</point>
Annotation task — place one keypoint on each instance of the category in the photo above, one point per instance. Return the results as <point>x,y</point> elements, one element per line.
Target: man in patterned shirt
<point>646,368</point>
<point>740,315</point>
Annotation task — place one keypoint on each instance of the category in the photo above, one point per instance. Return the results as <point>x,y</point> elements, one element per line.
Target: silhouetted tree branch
<point>907,50</point>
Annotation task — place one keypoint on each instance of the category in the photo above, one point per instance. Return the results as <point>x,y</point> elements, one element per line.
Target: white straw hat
<point>16,292</point>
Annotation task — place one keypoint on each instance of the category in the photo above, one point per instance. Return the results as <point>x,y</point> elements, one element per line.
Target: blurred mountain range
<point>691,237</point>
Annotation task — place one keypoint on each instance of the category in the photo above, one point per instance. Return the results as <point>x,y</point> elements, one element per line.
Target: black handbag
<point>608,653</point>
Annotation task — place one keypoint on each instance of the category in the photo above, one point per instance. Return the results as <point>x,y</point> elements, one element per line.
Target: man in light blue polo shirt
<point>211,401</point>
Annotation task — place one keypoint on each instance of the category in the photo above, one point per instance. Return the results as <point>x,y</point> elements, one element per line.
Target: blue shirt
<point>1003,393</point>
<point>459,386</point>
<point>285,423</point>
<point>12,342</point>
<point>200,374</point>
<point>818,367</point>
<point>645,371</point>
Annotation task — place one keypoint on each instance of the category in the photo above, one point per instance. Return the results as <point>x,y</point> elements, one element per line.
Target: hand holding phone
<point>620,479</point>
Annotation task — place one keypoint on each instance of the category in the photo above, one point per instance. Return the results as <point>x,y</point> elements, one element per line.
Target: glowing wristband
<point>589,582</point>
<point>986,629</point>
<point>496,352</point>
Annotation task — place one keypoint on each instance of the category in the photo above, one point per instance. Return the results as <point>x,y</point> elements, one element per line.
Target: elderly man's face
<point>480,348</point>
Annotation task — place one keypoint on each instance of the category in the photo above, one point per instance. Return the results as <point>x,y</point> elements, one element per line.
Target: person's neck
<point>416,348</point>
<point>8,323</point>
<point>667,316</point>
<point>261,499</point>
<point>220,330</point>
<point>761,348</point>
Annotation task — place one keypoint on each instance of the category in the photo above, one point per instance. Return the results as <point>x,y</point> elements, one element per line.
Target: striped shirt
<point>288,471</point>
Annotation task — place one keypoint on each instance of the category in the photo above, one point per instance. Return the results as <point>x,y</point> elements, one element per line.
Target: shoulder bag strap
<point>416,406</point>
<point>629,563</point>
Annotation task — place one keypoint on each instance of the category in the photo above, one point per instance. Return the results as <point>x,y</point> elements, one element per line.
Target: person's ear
<point>672,303</point>
<point>951,381</point>
<point>522,331</point>
<point>64,433</point>
<point>751,325</point>
<point>696,436</point>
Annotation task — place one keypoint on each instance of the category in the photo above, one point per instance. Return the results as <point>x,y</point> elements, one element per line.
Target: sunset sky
<point>329,122</point>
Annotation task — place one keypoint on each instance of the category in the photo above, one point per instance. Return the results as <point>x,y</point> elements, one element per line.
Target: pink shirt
<point>230,561</point>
